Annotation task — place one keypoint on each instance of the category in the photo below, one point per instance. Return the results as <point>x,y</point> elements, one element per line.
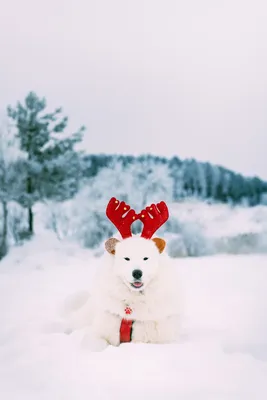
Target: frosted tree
<point>189,178</point>
<point>10,178</point>
<point>201,178</point>
<point>259,188</point>
<point>138,183</point>
<point>215,181</point>
<point>151,182</point>
<point>51,162</point>
<point>177,174</point>
<point>3,192</point>
<point>195,178</point>
<point>225,185</point>
<point>84,218</point>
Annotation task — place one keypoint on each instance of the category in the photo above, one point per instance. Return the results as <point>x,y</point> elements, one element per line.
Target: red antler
<point>115,212</point>
<point>153,218</point>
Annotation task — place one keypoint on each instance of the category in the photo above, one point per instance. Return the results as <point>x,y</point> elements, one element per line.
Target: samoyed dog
<point>134,297</point>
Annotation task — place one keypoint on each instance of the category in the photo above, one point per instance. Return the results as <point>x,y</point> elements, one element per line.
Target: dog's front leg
<point>161,331</point>
<point>110,328</point>
<point>144,332</point>
<point>105,330</point>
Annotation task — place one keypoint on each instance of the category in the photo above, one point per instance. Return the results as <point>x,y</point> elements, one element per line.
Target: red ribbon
<point>126,330</point>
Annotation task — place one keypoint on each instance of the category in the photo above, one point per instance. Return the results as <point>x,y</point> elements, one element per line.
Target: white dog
<point>134,296</point>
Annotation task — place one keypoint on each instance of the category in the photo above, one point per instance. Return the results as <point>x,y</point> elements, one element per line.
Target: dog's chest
<point>137,309</point>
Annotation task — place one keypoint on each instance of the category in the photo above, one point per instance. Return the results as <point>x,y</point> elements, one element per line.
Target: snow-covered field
<point>222,354</point>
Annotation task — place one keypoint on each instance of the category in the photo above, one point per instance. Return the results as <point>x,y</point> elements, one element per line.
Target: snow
<point>222,353</point>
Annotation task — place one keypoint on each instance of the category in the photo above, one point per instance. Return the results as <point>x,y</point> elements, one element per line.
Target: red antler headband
<point>153,217</point>
<point>122,216</point>
<point>115,212</point>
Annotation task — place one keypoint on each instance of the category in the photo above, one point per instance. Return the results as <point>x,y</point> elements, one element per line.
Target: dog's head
<point>136,259</point>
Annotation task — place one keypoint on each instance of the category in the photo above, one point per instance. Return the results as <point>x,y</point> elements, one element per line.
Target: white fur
<point>155,305</point>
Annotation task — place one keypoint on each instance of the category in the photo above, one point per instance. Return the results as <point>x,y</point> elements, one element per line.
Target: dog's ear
<point>111,244</point>
<point>160,243</point>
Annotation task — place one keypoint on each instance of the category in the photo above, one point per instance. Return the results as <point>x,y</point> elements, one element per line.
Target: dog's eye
<point>127,258</point>
<point>145,258</point>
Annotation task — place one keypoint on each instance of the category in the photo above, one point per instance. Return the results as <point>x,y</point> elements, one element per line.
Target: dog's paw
<point>93,343</point>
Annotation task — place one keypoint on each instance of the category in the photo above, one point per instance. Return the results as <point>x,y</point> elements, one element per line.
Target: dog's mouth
<point>137,284</point>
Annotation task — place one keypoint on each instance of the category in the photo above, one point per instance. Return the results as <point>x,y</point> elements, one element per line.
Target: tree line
<point>190,178</point>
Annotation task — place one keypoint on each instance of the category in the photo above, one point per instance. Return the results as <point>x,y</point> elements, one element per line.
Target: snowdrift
<point>222,353</point>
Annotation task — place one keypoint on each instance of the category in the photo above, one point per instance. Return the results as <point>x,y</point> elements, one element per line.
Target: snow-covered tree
<point>177,174</point>
<point>51,163</point>
<point>196,179</point>
<point>9,181</point>
<point>151,182</point>
<point>137,183</point>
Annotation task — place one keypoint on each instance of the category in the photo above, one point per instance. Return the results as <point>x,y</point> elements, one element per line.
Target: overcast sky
<point>184,77</point>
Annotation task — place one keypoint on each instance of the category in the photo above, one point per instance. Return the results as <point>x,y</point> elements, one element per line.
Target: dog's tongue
<point>138,284</point>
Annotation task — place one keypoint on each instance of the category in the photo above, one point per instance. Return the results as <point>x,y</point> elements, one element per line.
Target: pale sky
<point>169,77</point>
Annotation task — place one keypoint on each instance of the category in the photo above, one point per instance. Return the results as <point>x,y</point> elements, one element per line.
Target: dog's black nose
<point>137,273</point>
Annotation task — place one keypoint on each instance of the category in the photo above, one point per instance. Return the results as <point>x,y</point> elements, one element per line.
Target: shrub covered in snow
<point>194,228</point>
<point>246,243</point>
<point>84,219</point>
<point>176,247</point>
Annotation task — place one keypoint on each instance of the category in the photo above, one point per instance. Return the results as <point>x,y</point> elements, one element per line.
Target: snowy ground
<point>222,354</point>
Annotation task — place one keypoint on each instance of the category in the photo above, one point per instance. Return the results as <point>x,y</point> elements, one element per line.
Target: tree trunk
<point>30,183</point>
<point>3,244</point>
<point>30,220</point>
<point>30,213</point>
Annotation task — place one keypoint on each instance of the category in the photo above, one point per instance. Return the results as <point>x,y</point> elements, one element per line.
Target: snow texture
<point>222,354</point>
